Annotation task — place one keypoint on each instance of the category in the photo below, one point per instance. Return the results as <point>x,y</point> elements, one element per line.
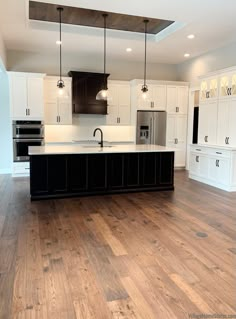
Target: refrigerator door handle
<point>151,131</point>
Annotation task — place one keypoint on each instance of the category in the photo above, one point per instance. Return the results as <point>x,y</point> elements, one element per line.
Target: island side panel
<point>57,176</point>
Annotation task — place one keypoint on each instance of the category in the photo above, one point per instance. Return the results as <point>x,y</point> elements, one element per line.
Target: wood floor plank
<point>127,256</point>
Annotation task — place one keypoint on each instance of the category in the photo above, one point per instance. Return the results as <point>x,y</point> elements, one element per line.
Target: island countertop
<point>96,149</point>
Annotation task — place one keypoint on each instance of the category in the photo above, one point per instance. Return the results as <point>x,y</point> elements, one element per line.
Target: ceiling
<point>212,22</point>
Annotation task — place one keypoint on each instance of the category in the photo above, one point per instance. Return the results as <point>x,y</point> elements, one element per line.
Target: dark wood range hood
<point>85,86</point>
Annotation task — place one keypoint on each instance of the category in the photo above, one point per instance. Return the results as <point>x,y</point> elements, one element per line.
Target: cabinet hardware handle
<point>177,141</point>
<point>177,109</point>
<point>197,159</point>
<point>26,112</point>
<point>230,91</point>
<point>227,140</point>
<point>198,149</point>
<point>218,153</point>
<point>206,140</point>
<point>217,163</point>
<point>59,119</point>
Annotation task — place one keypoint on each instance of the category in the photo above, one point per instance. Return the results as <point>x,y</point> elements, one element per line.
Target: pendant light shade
<point>104,94</point>
<point>60,82</point>
<point>144,88</point>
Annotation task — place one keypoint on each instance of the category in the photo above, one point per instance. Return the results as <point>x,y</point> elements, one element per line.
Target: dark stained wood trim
<point>93,18</point>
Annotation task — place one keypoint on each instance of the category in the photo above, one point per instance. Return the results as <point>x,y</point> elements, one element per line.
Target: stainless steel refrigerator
<point>151,127</point>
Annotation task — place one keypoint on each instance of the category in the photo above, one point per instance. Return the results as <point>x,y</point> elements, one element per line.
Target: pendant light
<point>60,82</point>
<point>104,93</point>
<point>144,88</point>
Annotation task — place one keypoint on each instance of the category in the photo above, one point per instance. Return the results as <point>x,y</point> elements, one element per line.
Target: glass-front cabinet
<point>228,85</point>
<point>209,89</point>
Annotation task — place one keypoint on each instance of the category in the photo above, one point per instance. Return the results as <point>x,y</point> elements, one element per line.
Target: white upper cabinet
<point>226,128</point>
<point>209,88</point>
<point>227,85</point>
<point>156,98</point>
<point>119,105</point>
<point>26,95</point>
<point>58,108</point>
<point>207,129</point>
<point>177,99</point>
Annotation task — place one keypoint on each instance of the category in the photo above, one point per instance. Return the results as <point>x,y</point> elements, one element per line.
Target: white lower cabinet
<point>21,169</point>
<point>214,166</point>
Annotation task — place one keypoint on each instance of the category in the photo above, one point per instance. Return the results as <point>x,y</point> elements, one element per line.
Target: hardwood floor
<point>144,255</point>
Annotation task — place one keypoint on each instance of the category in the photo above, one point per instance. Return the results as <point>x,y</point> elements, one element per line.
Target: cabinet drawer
<point>199,149</point>
<point>21,168</point>
<point>219,152</point>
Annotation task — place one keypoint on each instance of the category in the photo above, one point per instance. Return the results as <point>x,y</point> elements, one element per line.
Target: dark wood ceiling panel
<point>93,18</point>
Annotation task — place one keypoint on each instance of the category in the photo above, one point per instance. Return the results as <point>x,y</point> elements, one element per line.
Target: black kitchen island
<point>73,170</point>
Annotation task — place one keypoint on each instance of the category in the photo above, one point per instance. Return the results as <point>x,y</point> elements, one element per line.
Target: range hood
<point>85,86</point>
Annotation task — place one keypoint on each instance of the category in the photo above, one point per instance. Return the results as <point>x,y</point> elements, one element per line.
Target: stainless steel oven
<point>25,134</point>
<point>28,129</point>
<point>20,148</point>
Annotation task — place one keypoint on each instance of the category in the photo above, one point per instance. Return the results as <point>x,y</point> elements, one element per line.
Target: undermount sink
<point>97,146</point>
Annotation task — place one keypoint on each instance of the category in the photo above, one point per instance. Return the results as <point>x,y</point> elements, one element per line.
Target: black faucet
<point>94,133</point>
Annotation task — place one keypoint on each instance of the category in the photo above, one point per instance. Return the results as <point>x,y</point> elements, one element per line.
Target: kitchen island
<point>58,171</point>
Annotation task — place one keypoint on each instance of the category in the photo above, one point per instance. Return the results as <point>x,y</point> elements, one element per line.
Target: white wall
<point>119,70</point>
<point>2,51</point>
<point>208,62</point>
<point>5,125</point>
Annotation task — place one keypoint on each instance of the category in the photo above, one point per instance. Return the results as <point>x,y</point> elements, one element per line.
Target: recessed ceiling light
<point>58,42</point>
<point>129,50</point>
<point>191,36</point>
<point>187,55</point>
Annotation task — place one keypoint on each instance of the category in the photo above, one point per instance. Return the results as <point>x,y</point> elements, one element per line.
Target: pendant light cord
<point>105,47</point>
<point>145,52</point>
<point>60,10</point>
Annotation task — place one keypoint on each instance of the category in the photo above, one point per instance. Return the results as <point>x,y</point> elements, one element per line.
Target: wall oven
<point>25,134</point>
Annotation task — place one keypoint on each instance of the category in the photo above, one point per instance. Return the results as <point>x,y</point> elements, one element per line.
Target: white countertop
<point>95,149</point>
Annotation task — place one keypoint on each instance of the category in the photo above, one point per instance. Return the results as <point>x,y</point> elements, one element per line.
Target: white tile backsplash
<point>83,127</point>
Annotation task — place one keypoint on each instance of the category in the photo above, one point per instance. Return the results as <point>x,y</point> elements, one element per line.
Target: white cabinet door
<point>182,103</point>
<point>51,113</point>
<point>58,108</point>
<point>124,104</point>
<point>212,122</point>
<point>223,171</point>
<point>232,123</point>
<point>35,97</point>
<point>171,99</point>
<point>64,111</point>
<point>203,124</point>
<point>113,105</point>
<point>119,105</point>
<point>208,123</point>
<point>159,97</point>
<point>181,128</point>
<point>203,166</point>
<point>176,137</point>
<point>19,96</point>
<point>194,164</point>
<point>177,99</point>
<point>223,122</point>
